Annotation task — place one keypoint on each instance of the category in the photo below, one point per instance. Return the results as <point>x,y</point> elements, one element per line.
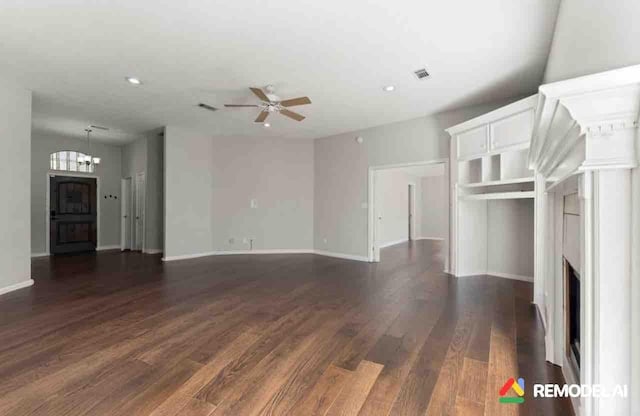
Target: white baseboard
<point>268,251</point>
<point>17,286</point>
<point>152,250</point>
<point>393,243</point>
<point>512,276</point>
<point>111,247</point>
<point>429,238</point>
<point>341,255</point>
<point>189,256</point>
<point>33,255</point>
<point>498,274</point>
<point>237,252</point>
<point>470,274</point>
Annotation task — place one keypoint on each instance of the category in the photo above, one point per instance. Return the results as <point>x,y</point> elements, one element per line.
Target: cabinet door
<point>511,131</point>
<point>472,142</point>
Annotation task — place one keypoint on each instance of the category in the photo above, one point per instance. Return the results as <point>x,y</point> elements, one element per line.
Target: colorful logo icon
<point>518,387</point>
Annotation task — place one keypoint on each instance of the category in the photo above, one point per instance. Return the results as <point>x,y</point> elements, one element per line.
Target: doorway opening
<point>72,214</point>
<point>408,202</point>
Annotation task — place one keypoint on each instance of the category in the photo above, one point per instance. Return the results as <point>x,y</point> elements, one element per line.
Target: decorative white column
<point>610,239</point>
<point>588,126</point>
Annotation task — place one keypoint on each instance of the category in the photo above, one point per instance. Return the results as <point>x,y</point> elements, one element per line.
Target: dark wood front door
<point>73,209</point>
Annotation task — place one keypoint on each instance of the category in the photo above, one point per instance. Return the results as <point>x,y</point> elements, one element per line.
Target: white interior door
<point>139,212</point>
<point>377,215</point>
<point>411,213</point>
<point>125,209</point>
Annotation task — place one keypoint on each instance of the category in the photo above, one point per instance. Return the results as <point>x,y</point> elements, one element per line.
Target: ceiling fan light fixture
<point>389,88</point>
<point>133,80</point>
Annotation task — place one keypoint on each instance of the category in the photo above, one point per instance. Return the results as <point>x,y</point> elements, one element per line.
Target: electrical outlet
<point>324,240</point>
<point>254,203</point>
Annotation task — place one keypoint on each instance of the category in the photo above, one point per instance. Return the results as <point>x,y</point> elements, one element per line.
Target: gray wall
<point>108,173</point>
<point>15,135</point>
<point>209,185</point>
<point>154,238</point>
<point>593,36</point>
<point>134,158</point>
<point>341,172</point>
<point>188,184</point>
<point>510,224</point>
<point>435,207</point>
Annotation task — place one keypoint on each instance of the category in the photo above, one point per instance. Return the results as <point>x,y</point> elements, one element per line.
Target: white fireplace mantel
<point>586,137</point>
<point>586,123</point>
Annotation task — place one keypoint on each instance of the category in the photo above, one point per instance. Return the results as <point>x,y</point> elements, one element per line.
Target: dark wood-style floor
<point>123,334</point>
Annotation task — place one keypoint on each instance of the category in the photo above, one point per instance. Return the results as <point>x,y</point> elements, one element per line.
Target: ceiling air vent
<point>422,73</point>
<point>207,107</point>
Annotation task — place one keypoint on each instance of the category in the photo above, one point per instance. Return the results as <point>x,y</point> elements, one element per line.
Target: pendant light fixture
<point>87,159</point>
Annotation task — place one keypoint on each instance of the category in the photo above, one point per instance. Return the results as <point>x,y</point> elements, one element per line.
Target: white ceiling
<point>74,55</point>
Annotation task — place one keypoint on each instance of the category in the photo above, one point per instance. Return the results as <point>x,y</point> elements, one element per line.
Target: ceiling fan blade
<point>240,105</point>
<point>262,116</point>
<point>258,92</point>
<point>295,101</point>
<point>291,114</point>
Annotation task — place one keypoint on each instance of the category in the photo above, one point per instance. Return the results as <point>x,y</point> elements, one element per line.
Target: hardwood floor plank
<point>353,396</point>
<point>115,334</point>
<point>465,407</point>
<point>307,372</point>
<point>178,399</point>
<point>397,366</point>
<point>231,375</point>
<point>502,356</point>
<point>265,380</point>
<point>195,407</point>
<point>443,399</point>
<point>324,393</point>
<point>472,385</point>
<point>417,389</point>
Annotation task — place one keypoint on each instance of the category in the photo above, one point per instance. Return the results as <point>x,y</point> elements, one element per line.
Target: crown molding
<point>587,123</point>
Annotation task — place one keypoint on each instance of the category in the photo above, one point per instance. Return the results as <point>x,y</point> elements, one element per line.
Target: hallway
<point>125,334</point>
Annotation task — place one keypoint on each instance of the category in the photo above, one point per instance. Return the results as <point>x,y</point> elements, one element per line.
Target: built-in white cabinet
<point>473,142</point>
<point>492,192</point>
<point>511,131</point>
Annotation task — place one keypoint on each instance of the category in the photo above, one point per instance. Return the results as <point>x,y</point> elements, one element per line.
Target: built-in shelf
<point>494,183</point>
<point>500,195</point>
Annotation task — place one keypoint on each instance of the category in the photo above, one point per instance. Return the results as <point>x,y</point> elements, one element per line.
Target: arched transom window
<point>68,160</point>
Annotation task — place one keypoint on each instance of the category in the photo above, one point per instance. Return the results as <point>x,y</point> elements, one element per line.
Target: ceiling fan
<point>271,103</point>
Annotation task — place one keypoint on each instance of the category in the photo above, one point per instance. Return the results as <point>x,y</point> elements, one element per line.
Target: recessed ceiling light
<point>267,125</point>
<point>133,80</point>
<point>389,88</point>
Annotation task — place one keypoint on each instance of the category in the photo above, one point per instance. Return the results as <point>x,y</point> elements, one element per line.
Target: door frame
<point>373,251</point>
<point>123,243</point>
<point>47,206</point>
